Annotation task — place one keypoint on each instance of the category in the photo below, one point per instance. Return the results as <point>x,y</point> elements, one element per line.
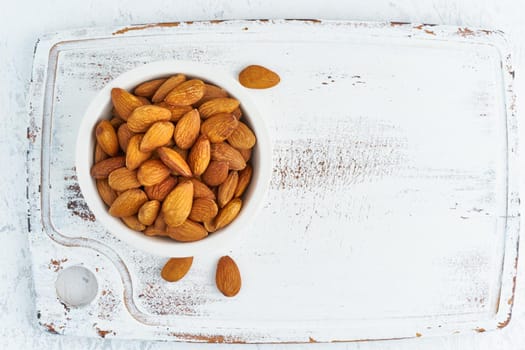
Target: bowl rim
<point>216,243</point>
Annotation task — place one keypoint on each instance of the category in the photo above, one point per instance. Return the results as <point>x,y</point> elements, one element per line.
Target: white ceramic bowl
<point>216,243</point>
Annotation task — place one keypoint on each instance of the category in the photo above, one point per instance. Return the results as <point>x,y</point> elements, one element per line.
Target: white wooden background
<point>22,22</point>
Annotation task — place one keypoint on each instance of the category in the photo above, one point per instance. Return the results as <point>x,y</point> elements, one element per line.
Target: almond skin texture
<point>107,194</point>
<point>176,268</point>
<point>245,176</point>
<point>159,134</point>
<point>211,92</point>
<point>143,117</point>
<point>133,223</point>
<point>227,214</point>
<point>162,189</point>
<point>148,88</point>
<point>216,173</point>
<point>246,154</point>
<point>227,189</point>
<point>167,86</point>
<point>242,137</point>
<point>177,112</point>
<point>102,169</point>
<point>186,93</point>
<point>148,212</point>
<point>209,226</point>
<point>124,135</point>
<point>144,100</point>
<point>187,129</point>
<point>134,157</point>
<point>107,137</point>
<point>219,127</point>
<point>200,190</point>
<point>128,203</point>
<point>177,205</point>
<point>174,161</point>
<point>199,156</point>
<point>258,77</point>
<point>188,231</point>
<point>218,105</point>
<point>99,154</point>
<point>123,179</point>
<point>226,153</point>
<point>228,277</point>
<point>151,172</point>
<point>203,210</point>
<point>124,102</point>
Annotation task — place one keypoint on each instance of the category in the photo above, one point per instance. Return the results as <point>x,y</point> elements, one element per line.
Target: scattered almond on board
<point>258,77</point>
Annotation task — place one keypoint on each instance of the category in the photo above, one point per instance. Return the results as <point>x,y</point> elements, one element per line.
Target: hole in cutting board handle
<point>76,286</point>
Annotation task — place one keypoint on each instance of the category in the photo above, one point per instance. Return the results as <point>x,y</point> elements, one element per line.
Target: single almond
<point>176,268</point>
<point>124,102</point>
<point>199,156</point>
<point>200,190</point>
<point>258,77</point>
<point>116,122</point>
<point>188,231</point>
<point>219,127</point>
<point>159,134</point>
<point>151,172</point>
<point>167,86</point>
<point>99,154</point>
<point>177,112</point>
<point>124,135</point>
<point>134,156</point>
<point>174,161</point>
<point>123,179</point>
<point>187,129</point>
<point>102,169</point>
<point>107,137</point>
<point>227,214</point>
<point>152,231</point>
<point>226,153</point>
<point>203,210</point>
<point>242,137</point>
<point>245,176</point>
<point>211,92</point>
<point>216,173</point>
<point>209,226</point>
<point>128,203</point>
<point>227,188</point>
<point>148,212</point>
<point>186,93</point>
<point>228,277</point>
<point>246,154</point>
<point>144,100</point>
<point>148,88</point>
<point>159,223</point>
<point>133,223</point>
<point>182,152</point>
<point>177,205</point>
<point>162,189</point>
<point>107,194</point>
<point>218,105</point>
<point>237,113</point>
<point>143,117</point>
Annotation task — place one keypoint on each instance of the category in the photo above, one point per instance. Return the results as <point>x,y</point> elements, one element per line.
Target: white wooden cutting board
<point>393,207</point>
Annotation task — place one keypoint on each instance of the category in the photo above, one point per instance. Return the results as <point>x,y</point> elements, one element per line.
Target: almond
<point>227,214</point>
<point>188,231</point>
<point>176,268</point>
<point>133,223</point>
<point>246,154</point>
<point>159,134</point>
<point>107,137</point>
<point>242,137</point>
<point>144,100</point>
<point>174,161</point>
<point>258,77</point>
<point>226,153</point>
<point>186,93</point>
<point>124,102</point>
<point>128,203</point>
<point>209,226</point>
<point>162,189</point>
<point>227,188</point>
<point>211,92</point>
<point>245,176</point>
<point>148,88</point>
<point>159,223</point>
<point>200,190</point>
<point>182,152</point>
<point>216,173</point>
<point>218,105</point>
<point>123,179</point>
<point>187,129</point>
<point>152,231</point>
<point>177,205</point>
<point>219,127</point>
<point>148,212</point>
<point>176,111</point>
<point>99,154</point>
<point>143,117</point>
<point>116,122</point>
<point>228,277</point>
<point>237,113</point>
<point>167,86</point>
<point>107,194</point>
<point>134,157</point>
<point>124,135</point>
<point>152,172</point>
<point>203,210</point>
<point>199,156</point>
<point>102,169</point>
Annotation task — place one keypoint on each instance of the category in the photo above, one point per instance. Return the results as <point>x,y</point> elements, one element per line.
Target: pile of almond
<point>174,158</point>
